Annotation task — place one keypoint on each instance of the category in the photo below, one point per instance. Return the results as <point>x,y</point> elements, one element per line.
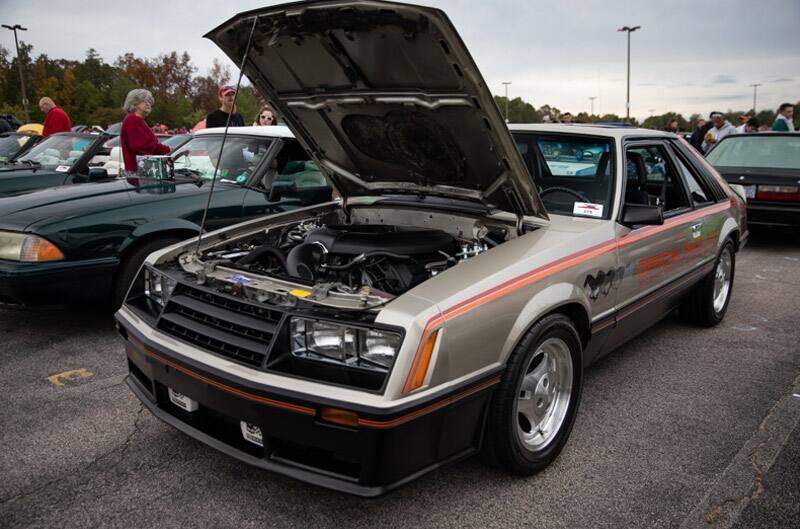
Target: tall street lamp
<point>506,83</point>
<point>629,30</point>
<point>755,92</point>
<point>591,102</point>
<point>14,28</point>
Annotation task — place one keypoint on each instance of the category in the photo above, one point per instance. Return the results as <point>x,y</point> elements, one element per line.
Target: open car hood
<point>385,97</point>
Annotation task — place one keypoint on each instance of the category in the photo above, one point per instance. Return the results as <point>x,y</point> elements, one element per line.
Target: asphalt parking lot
<point>683,427</point>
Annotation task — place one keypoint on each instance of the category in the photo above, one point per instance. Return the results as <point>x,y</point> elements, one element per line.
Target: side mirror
<point>633,214</point>
<point>280,188</point>
<point>97,173</point>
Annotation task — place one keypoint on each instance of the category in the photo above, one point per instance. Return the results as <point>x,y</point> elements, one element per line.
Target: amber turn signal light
<point>337,416</point>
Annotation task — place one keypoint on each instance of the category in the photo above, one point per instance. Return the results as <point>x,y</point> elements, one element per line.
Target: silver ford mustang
<point>450,300</point>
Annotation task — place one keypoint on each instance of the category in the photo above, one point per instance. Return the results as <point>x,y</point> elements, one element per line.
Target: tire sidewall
<point>717,317</point>
<point>518,457</point>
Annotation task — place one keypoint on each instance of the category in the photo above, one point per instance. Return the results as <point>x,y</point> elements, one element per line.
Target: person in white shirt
<point>722,127</point>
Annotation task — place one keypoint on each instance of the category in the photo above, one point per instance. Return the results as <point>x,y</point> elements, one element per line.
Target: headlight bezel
<point>21,247</point>
<point>356,354</point>
<point>156,283</point>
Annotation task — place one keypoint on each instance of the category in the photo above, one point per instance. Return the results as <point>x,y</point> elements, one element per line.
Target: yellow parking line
<point>69,376</point>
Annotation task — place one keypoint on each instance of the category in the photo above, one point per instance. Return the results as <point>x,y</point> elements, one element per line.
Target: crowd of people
<point>707,133</point>
<point>137,138</point>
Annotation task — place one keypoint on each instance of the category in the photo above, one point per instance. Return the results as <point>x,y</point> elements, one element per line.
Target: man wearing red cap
<point>219,118</point>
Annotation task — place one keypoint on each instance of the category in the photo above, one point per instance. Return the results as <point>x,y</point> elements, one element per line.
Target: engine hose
<point>364,256</point>
<point>261,251</point>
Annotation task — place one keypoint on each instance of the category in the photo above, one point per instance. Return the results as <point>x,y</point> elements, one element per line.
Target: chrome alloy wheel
<point>722,280</point>
<point>544,394</point>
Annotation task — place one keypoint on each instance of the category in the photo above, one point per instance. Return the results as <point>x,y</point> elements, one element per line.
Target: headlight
<point>27,248</point>
<point>158,286</point>
<point>322,340</point>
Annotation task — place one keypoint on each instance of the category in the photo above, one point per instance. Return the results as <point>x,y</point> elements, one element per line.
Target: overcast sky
<point>690,55</point>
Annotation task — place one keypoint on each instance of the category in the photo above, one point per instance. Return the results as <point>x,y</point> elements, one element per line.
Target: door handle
<point>697,226</point>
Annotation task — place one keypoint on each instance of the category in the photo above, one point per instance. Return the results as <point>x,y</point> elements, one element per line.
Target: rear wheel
<point>129,268</point>
<point>708,302</point>
<point>534,408</point>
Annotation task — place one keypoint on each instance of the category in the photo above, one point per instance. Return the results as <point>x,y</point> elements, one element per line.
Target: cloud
<point>646,84</point>
<point>723,79</point>
<point>783,80</point>
<point>727,97</point>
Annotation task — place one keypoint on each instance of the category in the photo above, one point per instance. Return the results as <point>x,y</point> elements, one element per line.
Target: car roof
<point>276,131</point>
<point>611,131</point>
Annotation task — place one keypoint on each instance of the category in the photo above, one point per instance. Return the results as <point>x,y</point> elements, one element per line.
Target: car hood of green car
<point>18,212</point>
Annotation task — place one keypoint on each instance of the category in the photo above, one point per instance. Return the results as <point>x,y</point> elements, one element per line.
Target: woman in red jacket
<point>135,137</point>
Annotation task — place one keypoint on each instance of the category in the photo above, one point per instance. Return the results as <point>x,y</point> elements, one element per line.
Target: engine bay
<point>367,256</point>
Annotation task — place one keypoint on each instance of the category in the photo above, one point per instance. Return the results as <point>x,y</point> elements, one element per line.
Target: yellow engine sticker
<point>300,293</point>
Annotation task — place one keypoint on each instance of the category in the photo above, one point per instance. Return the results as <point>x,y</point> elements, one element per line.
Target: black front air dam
<point>383,452</point>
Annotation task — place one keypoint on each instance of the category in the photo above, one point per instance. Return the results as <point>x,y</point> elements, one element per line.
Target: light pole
<point>629,30</point>
<point>506,83</point>
<point>755,92</point>
<point>591,103</point>
<point>14,28</point>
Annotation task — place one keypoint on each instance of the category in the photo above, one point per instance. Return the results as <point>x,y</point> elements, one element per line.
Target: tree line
<point>520,111</point>
<point>92,91</point>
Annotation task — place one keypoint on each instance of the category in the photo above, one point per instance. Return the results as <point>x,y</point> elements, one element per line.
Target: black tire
<point>129,267</point>
<point>698,308</point>
<point>503,445</point>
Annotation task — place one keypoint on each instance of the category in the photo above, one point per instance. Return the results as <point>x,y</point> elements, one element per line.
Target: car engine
<point>379,258</point>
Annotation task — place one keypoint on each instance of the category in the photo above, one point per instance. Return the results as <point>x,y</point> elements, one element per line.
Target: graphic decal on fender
<point>603,282</point>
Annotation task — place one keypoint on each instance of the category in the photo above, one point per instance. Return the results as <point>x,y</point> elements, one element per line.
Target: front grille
<point>234,329</point>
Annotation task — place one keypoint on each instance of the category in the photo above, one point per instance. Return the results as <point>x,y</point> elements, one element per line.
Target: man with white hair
<point>56,120</point>
<point>722,127</point>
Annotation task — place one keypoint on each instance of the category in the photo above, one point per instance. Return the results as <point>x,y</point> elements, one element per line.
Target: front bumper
<point>56,283</point>
<point>387,449</point>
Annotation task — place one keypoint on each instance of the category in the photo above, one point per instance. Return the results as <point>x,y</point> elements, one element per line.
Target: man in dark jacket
<point>696,140</point>
<point>56,119</point>
<point>219,118</point>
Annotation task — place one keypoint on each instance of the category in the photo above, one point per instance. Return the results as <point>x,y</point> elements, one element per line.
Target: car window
<point>292,164</point>
<point>573,175</point>
<point>697,191</point>
<point>762,151</point>
<point>240,157</point>
<point>651,178</point>
<point>58,152</point>
<point>11,144</point>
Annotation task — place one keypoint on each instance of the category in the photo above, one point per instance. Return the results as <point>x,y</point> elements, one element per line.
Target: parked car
<point>768,166</point>
<point>14,145</point>
<point>61,159</point>
<point>453,298</point>
<point>84,244</point>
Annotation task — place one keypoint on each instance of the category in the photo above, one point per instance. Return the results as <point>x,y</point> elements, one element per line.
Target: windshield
<point>764,151</point>
<point>11,144</point>
<point>174,141</point>
<point>59,152</point>
<point>573,175</point>
<point>239,159</point>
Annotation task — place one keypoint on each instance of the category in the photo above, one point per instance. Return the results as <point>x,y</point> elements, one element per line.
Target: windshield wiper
<point>32,163</point>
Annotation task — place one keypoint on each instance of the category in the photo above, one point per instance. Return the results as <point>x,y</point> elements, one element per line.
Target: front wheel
<point>533,410</point>
<point>708,302</point>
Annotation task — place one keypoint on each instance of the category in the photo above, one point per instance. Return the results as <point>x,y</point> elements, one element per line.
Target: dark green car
<point>84,244</point>
<point>60,159</point>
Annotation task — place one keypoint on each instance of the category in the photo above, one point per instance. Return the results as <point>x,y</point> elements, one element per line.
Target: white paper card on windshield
<point>62,168</point>
<point>588,209</point>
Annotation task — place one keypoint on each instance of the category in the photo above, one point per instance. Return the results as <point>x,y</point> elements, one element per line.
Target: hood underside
<point>385,97</point>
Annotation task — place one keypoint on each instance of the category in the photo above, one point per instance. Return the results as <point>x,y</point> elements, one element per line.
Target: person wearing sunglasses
<point>266,117</point>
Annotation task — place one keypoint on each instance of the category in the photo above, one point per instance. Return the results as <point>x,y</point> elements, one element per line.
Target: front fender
<point>164,226</point>
<point>544,302</point>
